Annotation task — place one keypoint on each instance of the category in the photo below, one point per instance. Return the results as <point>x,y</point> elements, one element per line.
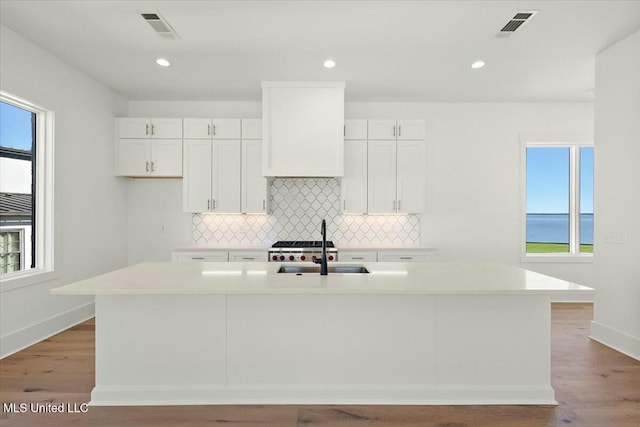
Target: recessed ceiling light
<point>162,62</point>
<point>329,63</point>
<point>477,64</point>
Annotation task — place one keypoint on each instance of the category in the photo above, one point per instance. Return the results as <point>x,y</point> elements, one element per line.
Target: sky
<point>548,180</point>
<point>15,127</point>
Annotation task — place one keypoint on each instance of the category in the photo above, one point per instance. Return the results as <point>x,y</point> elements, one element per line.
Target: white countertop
<point>262,278</point>
<point>224,247</point>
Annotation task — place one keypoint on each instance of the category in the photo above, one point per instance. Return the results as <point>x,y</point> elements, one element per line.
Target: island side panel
<point>500,344</point>
<point>151,348</point>
<point>330,342</point>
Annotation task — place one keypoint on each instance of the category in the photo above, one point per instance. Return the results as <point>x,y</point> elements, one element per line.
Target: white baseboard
<point>335,394</point>
<point>19,340</point>
<point>616,339</point>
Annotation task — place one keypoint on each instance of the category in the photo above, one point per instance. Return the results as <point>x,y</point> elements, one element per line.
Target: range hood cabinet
<point>303,126</point>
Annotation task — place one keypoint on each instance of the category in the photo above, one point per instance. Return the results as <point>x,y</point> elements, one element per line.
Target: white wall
<point>473,172</point>
<point>90,211</point>
<point>617,202</point>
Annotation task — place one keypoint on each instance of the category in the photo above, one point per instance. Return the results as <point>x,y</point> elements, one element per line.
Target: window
<point>11,251</point>
<point>558,200</point>
<point>26,191</point>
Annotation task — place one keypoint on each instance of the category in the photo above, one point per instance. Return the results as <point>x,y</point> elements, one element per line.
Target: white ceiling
<point>385,50</point>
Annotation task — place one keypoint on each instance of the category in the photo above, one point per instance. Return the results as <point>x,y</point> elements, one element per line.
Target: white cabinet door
<point>166,128</point>
<point>196,183</point>
<point>254,185</point>
<point>382,129</point>
<point>381,176</point>
<point>248,256</point>
<point>200,256</point>
<point>355,256</point>
<point>405,256</point>
<point>353,187</point>
<point>411,164</point>
<point>226,176</point>
<point>355,129</point>
<point>134,127</point>
<point>225,128</point>
<point>133,157</point>
<point>197,128</point>
<point>411,129</point>
<point>251,129</point>
<point>166,157</point>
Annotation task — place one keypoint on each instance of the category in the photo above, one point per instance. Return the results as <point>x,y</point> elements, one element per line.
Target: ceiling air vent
<point>160,25</point>
<point>516,22</point>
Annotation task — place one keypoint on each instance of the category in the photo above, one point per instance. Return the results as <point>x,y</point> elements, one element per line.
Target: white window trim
<point>574,141</point>
<point>44,240</point>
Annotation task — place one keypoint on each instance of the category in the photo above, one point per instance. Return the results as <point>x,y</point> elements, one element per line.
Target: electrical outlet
<point>616,237</point>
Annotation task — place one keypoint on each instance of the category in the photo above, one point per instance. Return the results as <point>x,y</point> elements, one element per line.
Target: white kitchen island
<point>241,333</point>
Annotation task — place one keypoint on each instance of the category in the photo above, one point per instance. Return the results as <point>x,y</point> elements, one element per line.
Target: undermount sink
<point>339,269</point>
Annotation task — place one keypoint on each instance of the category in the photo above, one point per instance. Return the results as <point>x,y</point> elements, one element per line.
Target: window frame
<point>573,141</point>
<point>43,186</point>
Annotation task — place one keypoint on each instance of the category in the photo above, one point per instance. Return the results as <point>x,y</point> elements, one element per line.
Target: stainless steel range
<point>301,251</point>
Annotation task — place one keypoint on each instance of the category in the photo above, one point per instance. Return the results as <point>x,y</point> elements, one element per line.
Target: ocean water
<point>554,228</point>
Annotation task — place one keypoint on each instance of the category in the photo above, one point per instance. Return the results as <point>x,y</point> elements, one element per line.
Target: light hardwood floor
<point>595,386</point>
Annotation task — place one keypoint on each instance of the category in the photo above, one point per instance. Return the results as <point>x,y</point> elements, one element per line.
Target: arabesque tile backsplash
<point>298,205</point>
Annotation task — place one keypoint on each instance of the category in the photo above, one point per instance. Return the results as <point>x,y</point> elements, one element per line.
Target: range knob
<point>302,257</point>
<point>281,257</point>
<point>313,258</point>
<point>330,257</point>
<point>291,257</point>
<point>275,257</point>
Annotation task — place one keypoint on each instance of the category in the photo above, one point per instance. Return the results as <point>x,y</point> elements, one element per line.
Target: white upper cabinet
<point>212,128</point>
<point>211,176</point>
<point>254,185</point>
<point>353,188</point>
<point>226,178</point>
<point>251,129</point>
<point>303,129</point>
<point>410,176</point>
<point>382,129</point>
<point>397,129</point>
<point>355,130</point>
<point>381,176</point>
<point>196,183</point>
<point>149,128</point>
<point>396,167</point>
<point>149,147</point>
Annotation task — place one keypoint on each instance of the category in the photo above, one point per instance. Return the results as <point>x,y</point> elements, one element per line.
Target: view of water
<point>554,228</point>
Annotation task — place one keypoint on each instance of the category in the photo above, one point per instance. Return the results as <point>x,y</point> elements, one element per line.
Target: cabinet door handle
<point>208,129</point>
<point>197,257</point>
<point>357,257</point>
<point>208,204</point>
<point>248,258</point>
<point>344,205</point>
<point>344,130</point>
<point>153,128</point>
<point>147,167</point>
<point>152,167</point>
<point>394,205</point>
<point>399,130</point>
<point>394,130</point>
<point>264,204</point>
<point>406,257</point>
<point>398,204</point>
<point>214,130</point>
<point>214,204</point>
<point>146,130</point>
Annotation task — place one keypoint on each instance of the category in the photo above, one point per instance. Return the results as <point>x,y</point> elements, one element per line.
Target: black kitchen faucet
<point>323,259</point>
